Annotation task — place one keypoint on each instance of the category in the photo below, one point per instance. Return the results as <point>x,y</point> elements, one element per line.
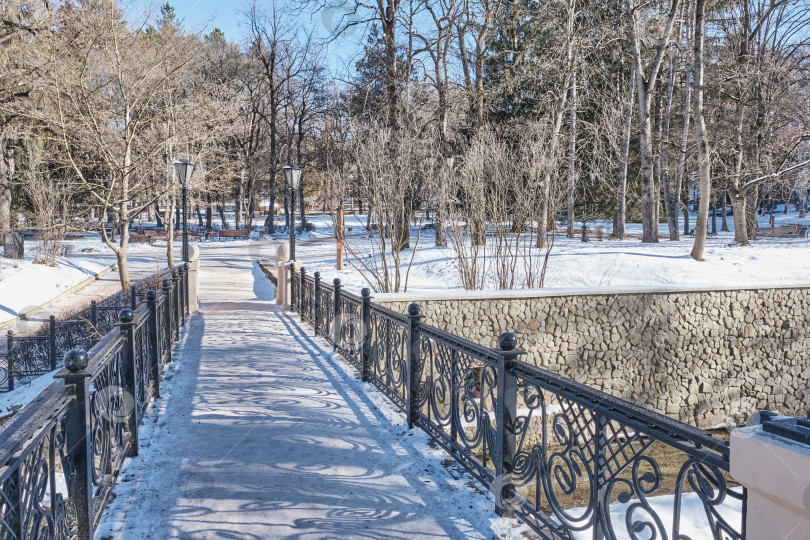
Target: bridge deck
<point>260,433</point>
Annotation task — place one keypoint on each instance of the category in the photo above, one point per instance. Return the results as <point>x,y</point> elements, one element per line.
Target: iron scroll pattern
<point>31,355</point>
<point>326,314</point>
<point>350,330</point>
<point>295,291</point>
<point>110,405</point>
<point>388,366</point>
<point>308,299</point>
<point>589,463</point>
<point>164,336</point>
<point>36,475</point>
<point>571,461</point>
<point>76,334</point>
<point>455,399</point>
<point>44,456</point>
<point>143,381</point>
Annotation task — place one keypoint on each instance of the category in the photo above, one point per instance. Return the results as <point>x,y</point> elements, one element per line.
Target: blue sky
<point>205,15</point>
<point>210,14</point>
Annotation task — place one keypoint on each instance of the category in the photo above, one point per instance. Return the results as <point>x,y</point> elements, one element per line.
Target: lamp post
<point>292,173</point>
<point>184,168</point>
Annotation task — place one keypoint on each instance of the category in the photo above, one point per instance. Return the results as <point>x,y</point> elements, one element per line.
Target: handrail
<point>554,451</point>
<point>86,423</point>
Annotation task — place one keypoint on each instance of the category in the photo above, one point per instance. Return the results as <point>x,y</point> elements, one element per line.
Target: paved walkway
<point>264,435</point>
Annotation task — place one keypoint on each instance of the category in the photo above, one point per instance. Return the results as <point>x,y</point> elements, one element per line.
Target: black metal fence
<point>38,354</point>
<point>60,455</point>
<point>571,461</point>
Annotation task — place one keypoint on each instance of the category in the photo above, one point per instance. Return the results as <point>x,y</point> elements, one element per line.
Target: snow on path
<point>262,433</point>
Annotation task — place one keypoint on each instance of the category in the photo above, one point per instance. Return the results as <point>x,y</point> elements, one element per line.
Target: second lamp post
<point>184,169</point>
<point>292,173</point>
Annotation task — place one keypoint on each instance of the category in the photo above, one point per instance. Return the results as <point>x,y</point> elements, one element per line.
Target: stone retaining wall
<point>704,357</point>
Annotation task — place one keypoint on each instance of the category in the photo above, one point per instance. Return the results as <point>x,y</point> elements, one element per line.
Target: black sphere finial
<point>126,315</point>
<point>507,341</point>
<point>76,360</point>
<point>413,309</point>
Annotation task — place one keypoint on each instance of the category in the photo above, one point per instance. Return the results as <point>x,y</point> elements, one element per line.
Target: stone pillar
<point>776,471</point>
<point>193,278</point>
<point>283,286</point>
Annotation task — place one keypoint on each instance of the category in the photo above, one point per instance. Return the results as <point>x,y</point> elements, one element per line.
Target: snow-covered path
<point>262,433</point>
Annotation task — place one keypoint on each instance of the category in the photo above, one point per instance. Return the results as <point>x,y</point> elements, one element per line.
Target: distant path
<point>260,434</point>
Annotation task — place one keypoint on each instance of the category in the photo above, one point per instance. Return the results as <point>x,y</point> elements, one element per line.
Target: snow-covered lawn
<point>607,263</point>
<point>25,284</point>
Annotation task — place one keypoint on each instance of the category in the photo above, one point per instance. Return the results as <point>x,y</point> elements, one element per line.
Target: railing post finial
<point>76,360</point>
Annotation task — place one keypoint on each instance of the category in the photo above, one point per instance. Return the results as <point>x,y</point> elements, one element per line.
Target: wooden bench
<point>233,233</point>
<point>785,231</point>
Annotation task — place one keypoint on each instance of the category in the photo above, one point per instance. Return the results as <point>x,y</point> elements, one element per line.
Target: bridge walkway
<point>261,433</point>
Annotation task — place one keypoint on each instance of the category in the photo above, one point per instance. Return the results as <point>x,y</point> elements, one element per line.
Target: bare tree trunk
<point>7,165</point>
<point>704,157</point>
<point>724,225</point>
<point>158,217</point>
<point>221,211</point>
<point>170,205</point>
<point>542,220</point>
<point>240,196</point>
<point>621,214</point>
<point>670,202</point>
<point>440,223</point>
<point>687,102</point>
<point>572,148</point>
<point>645,85</point>
<point>659,116</point>
<point>751,200</point>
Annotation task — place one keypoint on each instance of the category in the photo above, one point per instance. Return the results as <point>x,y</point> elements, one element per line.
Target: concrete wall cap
<point>580,291</point>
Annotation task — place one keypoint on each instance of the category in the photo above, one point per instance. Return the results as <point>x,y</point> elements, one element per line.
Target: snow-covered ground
<point>607,263</point>
<point>25,284</point>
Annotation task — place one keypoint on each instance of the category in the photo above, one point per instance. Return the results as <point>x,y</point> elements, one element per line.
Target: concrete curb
<point>79,286</point>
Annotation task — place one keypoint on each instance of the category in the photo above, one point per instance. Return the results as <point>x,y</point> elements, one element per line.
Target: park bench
<point>151,236</point>
<point>785,231</point>
<point>233,233</point>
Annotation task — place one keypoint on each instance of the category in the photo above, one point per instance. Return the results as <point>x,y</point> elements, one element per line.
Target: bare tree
<point>704,155</point>
<point>110,78</point>
<point>642,30</point>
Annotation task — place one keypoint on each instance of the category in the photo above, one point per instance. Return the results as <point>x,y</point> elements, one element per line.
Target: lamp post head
<point>292,173</point>
<point>184,168</point>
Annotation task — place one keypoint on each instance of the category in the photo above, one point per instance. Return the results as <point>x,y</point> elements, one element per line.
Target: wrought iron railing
<point>39,353</point>
<point>571,461</point>
<point>61,454</point>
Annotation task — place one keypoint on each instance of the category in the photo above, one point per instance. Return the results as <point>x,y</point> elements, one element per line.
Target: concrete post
<point>193,279</point>
<point>776,471</point>
<point>284,287</point>
<point>281,286</point>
